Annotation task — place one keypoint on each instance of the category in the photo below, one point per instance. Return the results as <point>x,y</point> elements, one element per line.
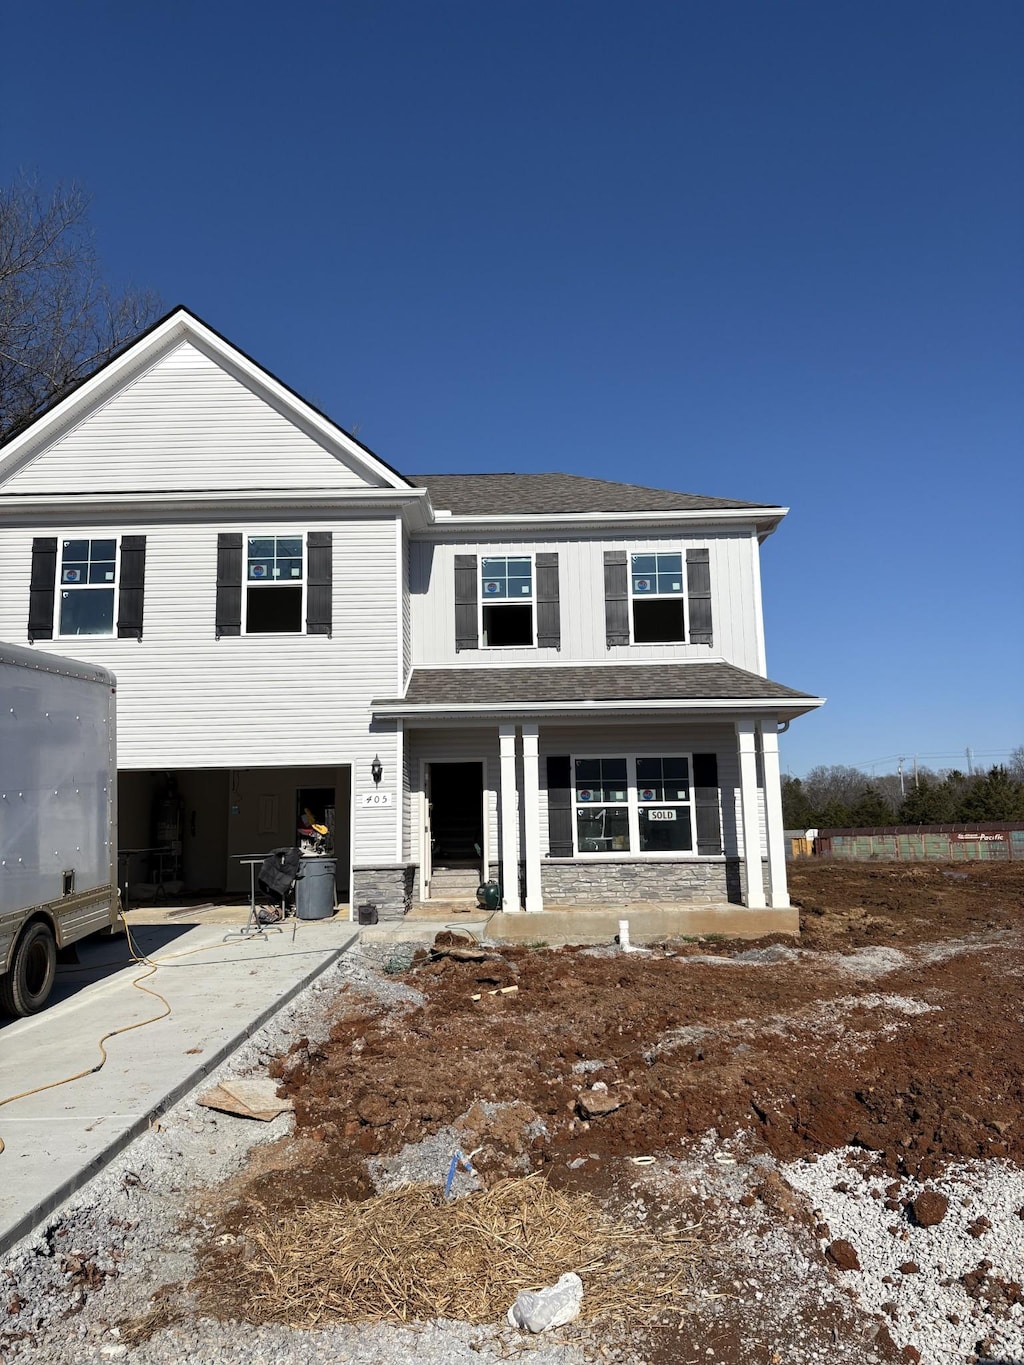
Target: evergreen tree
<point>834,815</point>
<point>871,809</point>
<point>797,811</point>
<point>932,803</point>
<point>996,796</point>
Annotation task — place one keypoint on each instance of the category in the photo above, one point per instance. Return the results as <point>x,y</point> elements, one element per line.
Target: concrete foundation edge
<point>31,1220</point>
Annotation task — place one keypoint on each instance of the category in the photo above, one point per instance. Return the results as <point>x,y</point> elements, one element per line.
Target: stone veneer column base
<point>388,886</point>
<point>691,881</point>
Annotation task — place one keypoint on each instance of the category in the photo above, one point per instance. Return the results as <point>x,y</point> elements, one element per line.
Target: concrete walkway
<point>219,996</point>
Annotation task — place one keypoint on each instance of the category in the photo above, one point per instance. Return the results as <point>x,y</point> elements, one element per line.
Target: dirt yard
<point>891,1036</point>
<point>835,1124</point>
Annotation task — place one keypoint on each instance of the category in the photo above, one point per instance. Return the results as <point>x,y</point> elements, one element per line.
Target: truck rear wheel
<point>26,987</point>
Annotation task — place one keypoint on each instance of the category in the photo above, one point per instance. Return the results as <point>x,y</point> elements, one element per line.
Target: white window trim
<point>60,587</point>
<point>482,602</point>
<point>632,804</point>
<point>246,585</point>
<point>659,597</point>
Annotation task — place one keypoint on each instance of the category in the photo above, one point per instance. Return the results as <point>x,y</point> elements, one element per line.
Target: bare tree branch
<point>59,318</point>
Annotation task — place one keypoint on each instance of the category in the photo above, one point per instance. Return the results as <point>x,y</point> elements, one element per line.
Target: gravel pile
<point>951,1290</point>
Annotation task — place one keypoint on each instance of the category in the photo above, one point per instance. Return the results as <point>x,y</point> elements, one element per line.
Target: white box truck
<point>58,816</point>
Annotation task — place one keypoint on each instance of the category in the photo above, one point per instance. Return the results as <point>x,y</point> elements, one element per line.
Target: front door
<point>454,834</point>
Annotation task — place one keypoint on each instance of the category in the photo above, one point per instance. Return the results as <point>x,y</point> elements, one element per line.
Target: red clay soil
<point>802,1053</point>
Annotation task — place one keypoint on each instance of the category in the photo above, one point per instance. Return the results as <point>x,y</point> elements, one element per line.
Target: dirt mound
<point>854,904</point>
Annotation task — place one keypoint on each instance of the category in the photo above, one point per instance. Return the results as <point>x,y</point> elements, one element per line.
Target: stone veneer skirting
<point>387,886</point>
<point>694,881</point>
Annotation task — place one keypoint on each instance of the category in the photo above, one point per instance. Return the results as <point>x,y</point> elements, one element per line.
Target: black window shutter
<point>131,588</point>
<point>319,579</point>
<point>229,583</point>
<point>707,806</point>
<point>698,596</point>
<point>549,630</point>
<point>616,598</point>
<point>466,636</point>
<point>559,808</point>
<point>41,588</point>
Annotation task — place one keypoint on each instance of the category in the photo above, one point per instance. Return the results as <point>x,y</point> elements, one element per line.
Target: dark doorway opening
<point>456,813</point>
<point>315,806</point>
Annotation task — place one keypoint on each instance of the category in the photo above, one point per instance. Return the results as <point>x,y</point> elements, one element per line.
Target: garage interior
<point>182,832</point>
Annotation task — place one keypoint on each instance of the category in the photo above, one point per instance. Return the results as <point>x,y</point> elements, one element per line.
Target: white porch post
<point>778,892</point>
<point>751,818</point>
<point>509,819</point>
<point>531,814</point>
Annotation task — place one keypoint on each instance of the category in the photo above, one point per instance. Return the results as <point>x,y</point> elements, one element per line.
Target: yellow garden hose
<point>152,964</point>
<point>151,967</point>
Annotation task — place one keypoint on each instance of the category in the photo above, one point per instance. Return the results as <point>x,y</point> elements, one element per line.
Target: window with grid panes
<point>88,580</point>
<point>274,583</point>
<point>506,601</point>
<point>657,595</point>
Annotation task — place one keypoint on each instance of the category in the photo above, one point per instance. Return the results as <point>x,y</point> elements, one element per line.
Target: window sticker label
<point>661,815</point>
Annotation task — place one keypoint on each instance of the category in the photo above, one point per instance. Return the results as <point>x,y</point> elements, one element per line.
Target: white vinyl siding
<point>188,700</point>
<point>184,424</point>
<point>734,588</point>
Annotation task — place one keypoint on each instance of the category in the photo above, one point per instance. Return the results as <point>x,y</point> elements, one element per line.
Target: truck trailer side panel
<point>58,793</point>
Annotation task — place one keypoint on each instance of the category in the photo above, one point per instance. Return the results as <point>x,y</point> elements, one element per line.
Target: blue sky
<point>764,250</point>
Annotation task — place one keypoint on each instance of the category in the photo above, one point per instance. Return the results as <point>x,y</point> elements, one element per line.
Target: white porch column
<point>778,892</point>
<point>509,819</point>
<point>531,816</point>
<point>751,818</point>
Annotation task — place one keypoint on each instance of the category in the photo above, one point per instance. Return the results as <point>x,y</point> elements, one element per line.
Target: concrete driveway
<point>219,992</point>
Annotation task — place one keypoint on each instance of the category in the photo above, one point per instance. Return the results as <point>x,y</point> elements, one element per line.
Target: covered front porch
<point>596,787</point>
<point>629,814</point>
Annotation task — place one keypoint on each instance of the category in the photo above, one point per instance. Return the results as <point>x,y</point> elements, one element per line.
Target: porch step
<point>454,883</point>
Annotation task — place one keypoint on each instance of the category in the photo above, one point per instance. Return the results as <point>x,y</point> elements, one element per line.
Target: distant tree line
<point>838,797</point>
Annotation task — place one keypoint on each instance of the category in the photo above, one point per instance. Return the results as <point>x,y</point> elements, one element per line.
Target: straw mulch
<point>409,1256</point>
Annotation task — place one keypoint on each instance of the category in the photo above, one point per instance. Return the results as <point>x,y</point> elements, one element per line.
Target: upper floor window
<point>88,583</point>
<point>506,601</point>
<point>274,585</point>
<point>658,593</point>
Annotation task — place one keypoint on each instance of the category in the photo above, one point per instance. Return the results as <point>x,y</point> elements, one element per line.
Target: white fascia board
<point>28,508</point>
<point>179,326</point>
<point>454,525</point>
<point>775,706</point>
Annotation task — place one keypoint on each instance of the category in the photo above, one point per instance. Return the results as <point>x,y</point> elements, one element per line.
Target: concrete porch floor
<point>648,922</point>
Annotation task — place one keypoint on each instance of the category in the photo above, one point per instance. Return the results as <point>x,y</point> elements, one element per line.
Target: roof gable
<point>182,410</point>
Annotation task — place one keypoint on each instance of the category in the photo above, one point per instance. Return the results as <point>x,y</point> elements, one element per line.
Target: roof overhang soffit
<point>597,710</point>
<point>763,521</point>
<point>32,509</point>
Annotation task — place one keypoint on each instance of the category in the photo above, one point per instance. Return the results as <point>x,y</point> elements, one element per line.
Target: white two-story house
<point>553,681</point>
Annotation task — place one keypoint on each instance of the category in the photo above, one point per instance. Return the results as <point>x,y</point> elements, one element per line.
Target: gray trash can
<point>315,888</point>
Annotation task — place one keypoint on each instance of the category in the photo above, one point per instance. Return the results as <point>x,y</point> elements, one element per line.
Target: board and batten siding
<point>189,700</point>
<point>185,423</point>
<point>734,588</point>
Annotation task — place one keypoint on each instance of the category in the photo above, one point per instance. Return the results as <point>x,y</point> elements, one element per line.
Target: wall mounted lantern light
<point>376,770</point>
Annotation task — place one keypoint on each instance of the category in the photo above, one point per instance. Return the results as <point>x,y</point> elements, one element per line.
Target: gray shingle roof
<point>579,683</point>
<point>558,494</point>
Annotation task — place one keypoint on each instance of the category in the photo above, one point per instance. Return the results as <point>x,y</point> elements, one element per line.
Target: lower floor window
<point>633,804</point>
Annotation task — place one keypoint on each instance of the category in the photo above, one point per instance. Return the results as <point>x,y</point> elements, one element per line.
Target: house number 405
<point>376,798</point>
